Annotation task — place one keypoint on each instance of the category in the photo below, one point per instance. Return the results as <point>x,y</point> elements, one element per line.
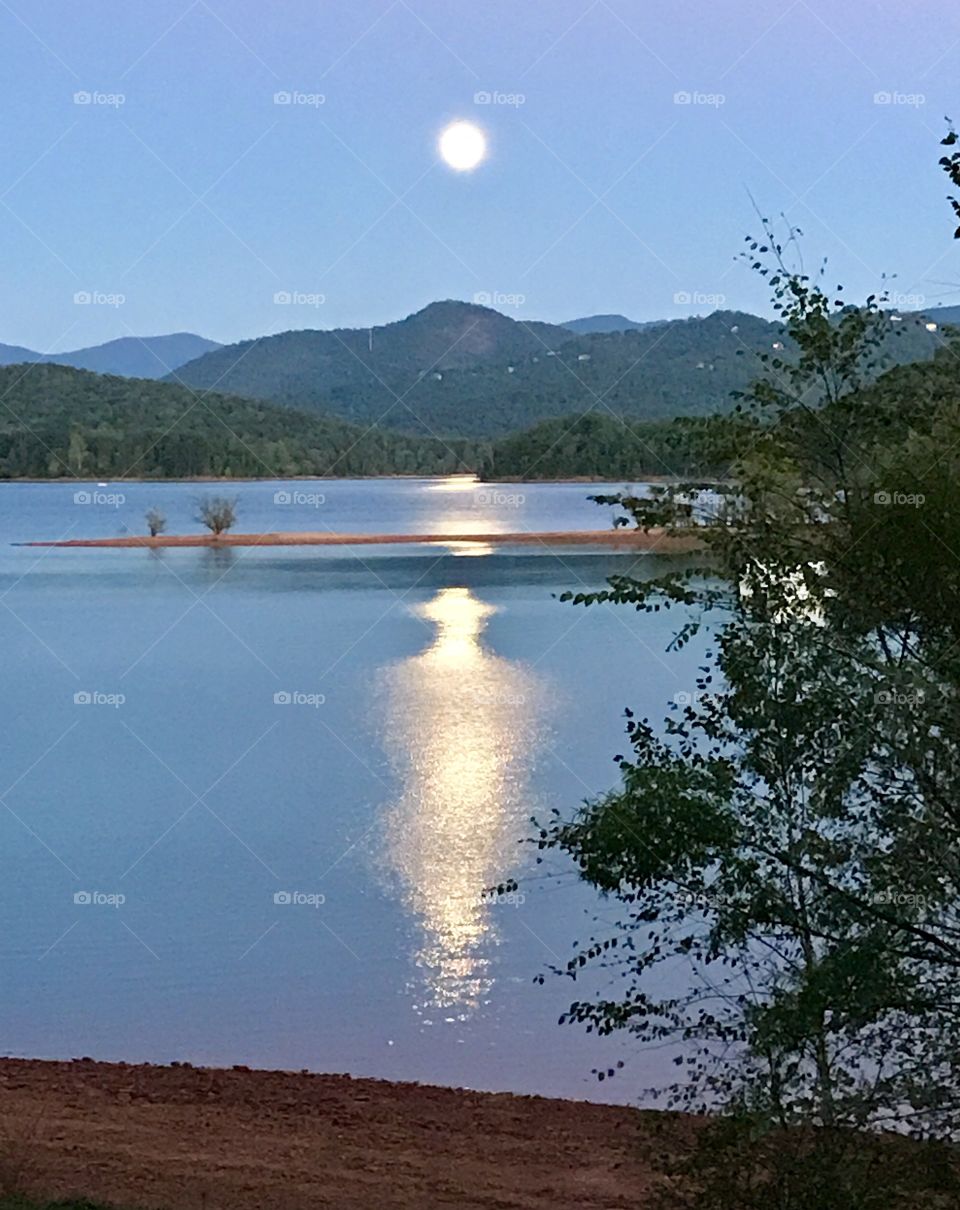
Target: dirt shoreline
<point>627,539</point>
<point>185,1138</point>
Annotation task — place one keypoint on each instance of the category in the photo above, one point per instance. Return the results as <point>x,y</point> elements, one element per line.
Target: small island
<point>655,541</point>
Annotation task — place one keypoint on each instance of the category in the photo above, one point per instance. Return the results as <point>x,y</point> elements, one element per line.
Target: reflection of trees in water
<point>460,730</point>
<point>217,560</point>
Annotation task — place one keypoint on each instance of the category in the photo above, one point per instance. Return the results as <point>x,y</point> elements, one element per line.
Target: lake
<point>252,796</point>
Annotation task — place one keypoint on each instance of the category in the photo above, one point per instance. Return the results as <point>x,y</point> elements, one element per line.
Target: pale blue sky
<point>198,198</point>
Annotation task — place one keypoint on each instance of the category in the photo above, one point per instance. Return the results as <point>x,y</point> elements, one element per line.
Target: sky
<point>192,165</point>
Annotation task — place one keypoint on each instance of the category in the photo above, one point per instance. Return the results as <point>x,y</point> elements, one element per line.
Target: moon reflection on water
<point>461,731</point>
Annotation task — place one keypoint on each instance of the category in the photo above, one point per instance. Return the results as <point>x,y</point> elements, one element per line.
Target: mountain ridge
<point>459,369</point>
<point>129,356</point>
<point>608,323</point>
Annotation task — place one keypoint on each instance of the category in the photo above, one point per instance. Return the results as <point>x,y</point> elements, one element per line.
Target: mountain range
<point>458,369</point>
<point>130,356</point>
<point>462,371</point>
<point>451,387</point>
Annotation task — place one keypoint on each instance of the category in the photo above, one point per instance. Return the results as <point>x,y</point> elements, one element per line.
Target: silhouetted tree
<point>217,513</point>
<point>156,522</point>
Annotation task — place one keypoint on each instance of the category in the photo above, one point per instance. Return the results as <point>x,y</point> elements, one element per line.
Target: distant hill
<point>607,323</point>
<point>462,370</point>
<point>620,323</point>
<point>12,354</point>
<point>467,370</point>
<point>359,373</point>
<point>60,422</point>
<point>131,356</point>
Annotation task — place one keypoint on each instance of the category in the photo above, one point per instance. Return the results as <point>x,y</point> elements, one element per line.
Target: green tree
<point>77,452</point>
<point>792,832</point>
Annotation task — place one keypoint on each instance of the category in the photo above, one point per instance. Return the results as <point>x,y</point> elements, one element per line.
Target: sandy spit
<point>627,539</point>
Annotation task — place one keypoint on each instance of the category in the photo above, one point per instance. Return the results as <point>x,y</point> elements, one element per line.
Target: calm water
<point>319,760</point>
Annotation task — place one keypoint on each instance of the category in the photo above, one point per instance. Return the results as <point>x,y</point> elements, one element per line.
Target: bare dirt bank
<point>626,539</point>
<point>182,1138</point>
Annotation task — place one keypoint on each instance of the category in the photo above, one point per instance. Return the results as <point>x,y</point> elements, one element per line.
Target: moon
<point>463,145</point>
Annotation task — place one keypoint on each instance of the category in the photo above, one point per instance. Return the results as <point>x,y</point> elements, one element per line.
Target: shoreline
<point>626,539</point>
<point>650,477</point>
<point>183,1137</point>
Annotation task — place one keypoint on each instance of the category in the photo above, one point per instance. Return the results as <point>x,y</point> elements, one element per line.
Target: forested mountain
<point>600,446</point>
<point>466,370</point>
<point>132,356</point>
<point>371,374</point>
<point>58,421</point>
<point>458,369</point>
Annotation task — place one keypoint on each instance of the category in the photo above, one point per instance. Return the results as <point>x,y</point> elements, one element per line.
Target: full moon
<point>463,146</point>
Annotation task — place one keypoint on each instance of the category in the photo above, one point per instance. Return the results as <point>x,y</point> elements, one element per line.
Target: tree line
<point>59,422</point>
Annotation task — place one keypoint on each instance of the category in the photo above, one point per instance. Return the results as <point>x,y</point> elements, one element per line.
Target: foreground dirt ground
<point>184,1138</point>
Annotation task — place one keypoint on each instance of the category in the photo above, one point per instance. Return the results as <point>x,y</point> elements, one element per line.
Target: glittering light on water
<point>460,729</point>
